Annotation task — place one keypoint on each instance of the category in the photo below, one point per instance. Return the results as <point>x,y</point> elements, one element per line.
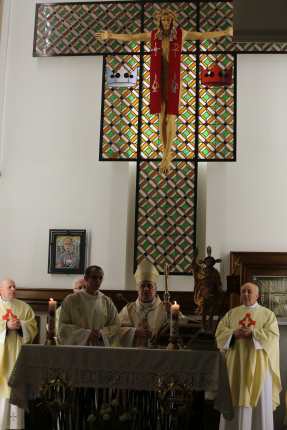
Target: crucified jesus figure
<point>165,81</point>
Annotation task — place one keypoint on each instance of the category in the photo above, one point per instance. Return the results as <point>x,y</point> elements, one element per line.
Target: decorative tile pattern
<point>184,145</point>
<point>216,114</point>
<point>69,28</point>
<point>218,15</point>
<point>166,215</point>
<point>260,47</point>
<point>120,120</point>
<point>215,16</point>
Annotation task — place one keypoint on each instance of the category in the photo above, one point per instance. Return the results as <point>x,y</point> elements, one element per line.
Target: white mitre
<point>146,271</point>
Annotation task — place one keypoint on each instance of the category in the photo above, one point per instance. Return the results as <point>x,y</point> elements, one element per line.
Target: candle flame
<point>51,299</point>
<point>175,302</point>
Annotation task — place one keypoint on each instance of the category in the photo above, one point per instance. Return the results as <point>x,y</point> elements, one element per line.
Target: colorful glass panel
<point>120,119</point>
<point>166,215</point>
<point>216,137</point>
<point>69,28</point>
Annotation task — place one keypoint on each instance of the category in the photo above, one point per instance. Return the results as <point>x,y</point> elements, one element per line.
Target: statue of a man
<point>208,293</point>
<point>165,82</point>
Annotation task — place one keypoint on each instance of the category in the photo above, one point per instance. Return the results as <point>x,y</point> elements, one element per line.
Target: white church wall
<point>246,204</point>
<point>51,176</point>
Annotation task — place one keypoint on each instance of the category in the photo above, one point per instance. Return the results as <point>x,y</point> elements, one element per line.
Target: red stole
<point>173,87</point>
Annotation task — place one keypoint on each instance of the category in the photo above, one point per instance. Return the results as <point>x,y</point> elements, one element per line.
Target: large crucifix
<point>206,124</point>
<point>165,83</point>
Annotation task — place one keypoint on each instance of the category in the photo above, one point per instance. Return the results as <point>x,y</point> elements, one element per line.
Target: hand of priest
<point>94,337</point>
<point>14,324</point>
<point>242,333</point>
<point>246,332</point>
<point>142,332</point>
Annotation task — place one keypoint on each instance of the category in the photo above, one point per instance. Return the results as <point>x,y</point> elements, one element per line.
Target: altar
<point>125,370</point>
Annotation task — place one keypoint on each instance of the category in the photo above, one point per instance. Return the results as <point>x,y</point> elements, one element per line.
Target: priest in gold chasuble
<point>17,327</point>
<point>249,335</point>
<point>89,317</point>
<point>142,319</point>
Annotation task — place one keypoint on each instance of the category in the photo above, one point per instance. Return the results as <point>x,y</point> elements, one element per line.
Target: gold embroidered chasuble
<point>82,312</point>
<point>135,314</point>
<point>11,340</point>
<point>247,366</point>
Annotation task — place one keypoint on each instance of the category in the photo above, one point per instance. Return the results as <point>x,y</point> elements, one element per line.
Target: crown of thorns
<point>166,11</point>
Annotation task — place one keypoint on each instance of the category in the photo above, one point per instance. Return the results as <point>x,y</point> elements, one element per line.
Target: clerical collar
<point>251,306</point>
<point>5,301</point>
<point>95,294</point>
<point>147,305</point>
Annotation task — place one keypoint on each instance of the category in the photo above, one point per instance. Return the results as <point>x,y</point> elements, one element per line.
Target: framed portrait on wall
<point>67,251</point>
<point>269,271</point>
<point>273,293</point>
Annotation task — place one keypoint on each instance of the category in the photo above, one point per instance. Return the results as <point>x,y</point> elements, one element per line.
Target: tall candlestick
<point>174,315</point>
<point>166,295</point>
<point>52,306</point>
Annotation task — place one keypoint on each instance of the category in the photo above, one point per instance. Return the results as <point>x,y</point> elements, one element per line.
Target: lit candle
<point>174,309</point>
<point>52,306</point>
<point>174,314</point>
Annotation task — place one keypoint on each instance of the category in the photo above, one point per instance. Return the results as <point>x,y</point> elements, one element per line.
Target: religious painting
<point>67,250</point>
<point>273,293</point>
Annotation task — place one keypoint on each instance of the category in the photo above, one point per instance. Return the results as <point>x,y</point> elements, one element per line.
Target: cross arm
<point>196,35</point>
<point>123,37</point>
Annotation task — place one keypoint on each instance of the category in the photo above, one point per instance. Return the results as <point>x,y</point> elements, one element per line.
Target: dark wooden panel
<point>248,264</point>
<point>38,297</point>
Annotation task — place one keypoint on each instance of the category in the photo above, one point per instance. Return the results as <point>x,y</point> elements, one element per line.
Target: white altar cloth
<point>122,368</point>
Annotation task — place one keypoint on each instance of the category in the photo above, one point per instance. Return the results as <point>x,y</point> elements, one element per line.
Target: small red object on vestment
<point>247,321</point>
<point>9,315</point>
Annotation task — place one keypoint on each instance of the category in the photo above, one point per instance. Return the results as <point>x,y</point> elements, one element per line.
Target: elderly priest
<point>141,320</point>
<point>249,335</point>
<point>89,317</point>
<point>17,326</point>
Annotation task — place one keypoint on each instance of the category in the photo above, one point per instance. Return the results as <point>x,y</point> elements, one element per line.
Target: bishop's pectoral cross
<point>206,124</point>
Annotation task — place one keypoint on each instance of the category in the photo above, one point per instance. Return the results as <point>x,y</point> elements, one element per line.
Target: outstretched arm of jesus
<point>139,37</point>
<point>196,35</point>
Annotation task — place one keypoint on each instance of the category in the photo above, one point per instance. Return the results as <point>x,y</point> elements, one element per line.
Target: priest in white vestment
<point>17,326</point>
<point>249,335</point>
<point>142,319</point>
<point>89,317</point>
